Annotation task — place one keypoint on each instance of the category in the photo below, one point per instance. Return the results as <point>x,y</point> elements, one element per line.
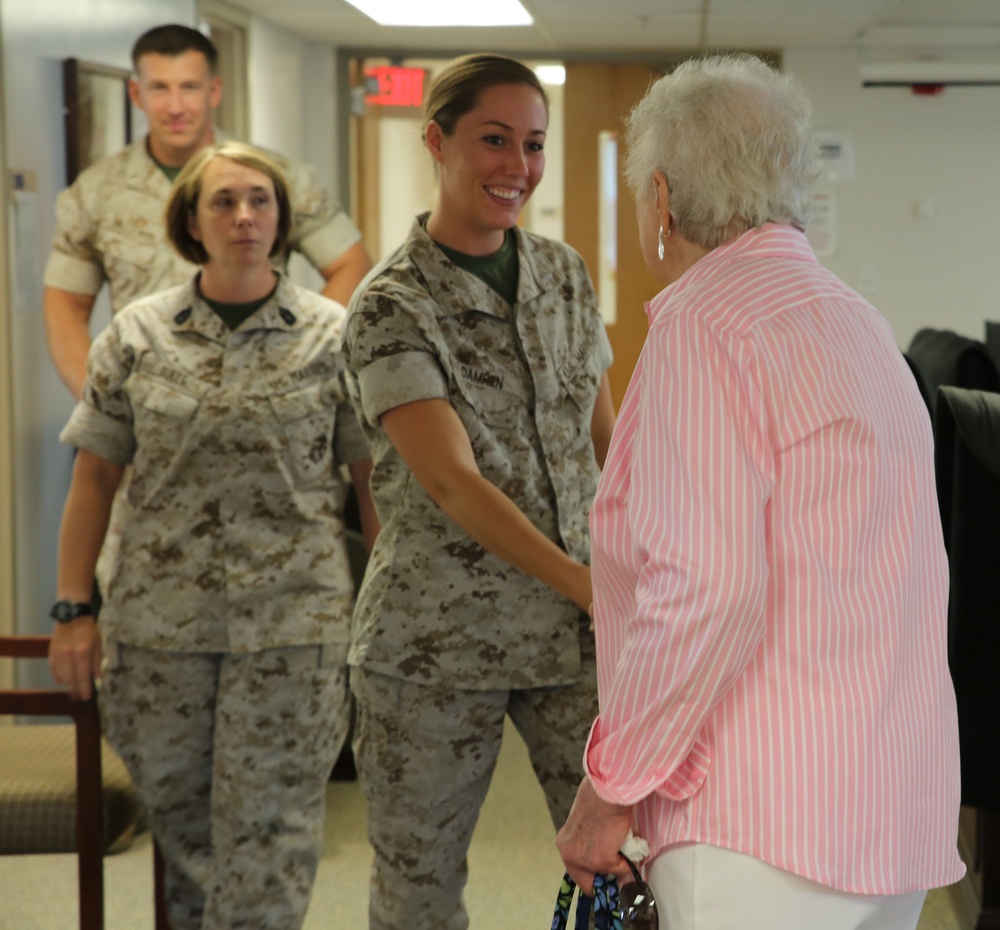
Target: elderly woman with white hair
<point>770,583</point>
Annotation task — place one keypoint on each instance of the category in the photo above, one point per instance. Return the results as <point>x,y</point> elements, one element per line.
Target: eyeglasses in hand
<point>636,903</point>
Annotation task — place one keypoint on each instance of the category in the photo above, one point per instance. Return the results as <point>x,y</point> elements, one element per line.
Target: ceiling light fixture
<point>444,12</point>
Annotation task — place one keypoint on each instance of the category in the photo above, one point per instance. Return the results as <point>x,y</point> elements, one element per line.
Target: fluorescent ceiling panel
<point>444,12</point>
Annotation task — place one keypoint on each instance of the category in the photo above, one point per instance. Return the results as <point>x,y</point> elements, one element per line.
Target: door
<point>597,98</point>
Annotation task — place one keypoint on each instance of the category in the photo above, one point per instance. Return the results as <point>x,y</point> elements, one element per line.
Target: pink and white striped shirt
<point>771,586</point>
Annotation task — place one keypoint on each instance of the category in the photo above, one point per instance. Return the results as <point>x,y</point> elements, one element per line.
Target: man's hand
<point>592,836</point>
<point>75,656</point>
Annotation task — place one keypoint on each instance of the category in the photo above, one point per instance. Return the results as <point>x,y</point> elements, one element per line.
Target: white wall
<point>941,272</point>
<point>292,107</point>
<point>276,88</point>
<point>544,212</point>
<point>407,184</point>
<point>319,78</point>
<point>37,36</point>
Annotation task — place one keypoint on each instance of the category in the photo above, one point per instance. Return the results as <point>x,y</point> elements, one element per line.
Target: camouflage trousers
<point>425,757</point>
<point>230,755</point>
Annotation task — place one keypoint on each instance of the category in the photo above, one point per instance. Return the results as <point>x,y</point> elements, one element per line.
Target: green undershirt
<point>234,315</point>
<point>498,270</point>
<point>171,173</point>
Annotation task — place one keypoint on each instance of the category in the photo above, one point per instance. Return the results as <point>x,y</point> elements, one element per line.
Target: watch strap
<point>67,611</point>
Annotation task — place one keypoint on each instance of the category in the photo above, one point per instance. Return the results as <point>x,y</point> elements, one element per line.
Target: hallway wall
<point>941,271</point>
<point>283,69</point>
<point>37,36</point>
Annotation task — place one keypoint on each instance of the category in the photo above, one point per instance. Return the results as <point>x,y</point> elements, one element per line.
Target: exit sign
<point>393,86</point>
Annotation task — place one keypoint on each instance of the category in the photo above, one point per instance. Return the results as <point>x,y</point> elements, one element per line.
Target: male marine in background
<point>109,222</point>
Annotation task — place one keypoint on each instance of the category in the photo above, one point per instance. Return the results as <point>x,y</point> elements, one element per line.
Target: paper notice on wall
<point>836,156</point>
<point>821,230</point>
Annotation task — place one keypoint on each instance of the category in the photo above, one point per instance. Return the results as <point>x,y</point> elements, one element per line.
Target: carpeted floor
<point>514,870</point>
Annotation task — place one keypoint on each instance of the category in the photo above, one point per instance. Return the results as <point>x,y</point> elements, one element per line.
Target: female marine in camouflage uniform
<point>226,619</point>
<point>479,360</point>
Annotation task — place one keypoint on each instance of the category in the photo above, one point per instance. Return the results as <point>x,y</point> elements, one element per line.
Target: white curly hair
<point>734,138</point>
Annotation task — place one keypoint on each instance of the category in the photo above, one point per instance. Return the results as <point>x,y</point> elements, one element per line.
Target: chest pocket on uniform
<point>307,416</point>
<point>491,405</point>
<point>162,398</point>
<point>487,369</point>
<point>162,415</point>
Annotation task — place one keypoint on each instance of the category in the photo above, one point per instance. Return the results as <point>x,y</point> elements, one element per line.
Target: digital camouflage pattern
<point>231,756</point>
<point>426,754</point>
<point>435,606</point>
<point>233,536</point>
<point>109,227</point>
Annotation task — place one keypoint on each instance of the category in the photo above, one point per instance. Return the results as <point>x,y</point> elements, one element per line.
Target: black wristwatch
<point>65,611</point>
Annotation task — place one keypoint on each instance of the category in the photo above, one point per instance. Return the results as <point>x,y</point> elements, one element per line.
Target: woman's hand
<point>75,656</point>
<point>75,651</point>
<point>590,840</point>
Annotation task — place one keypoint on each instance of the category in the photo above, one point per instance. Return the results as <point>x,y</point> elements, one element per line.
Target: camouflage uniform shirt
<point>435,606</point>
<point>233,539</point>
<point>109,226</point>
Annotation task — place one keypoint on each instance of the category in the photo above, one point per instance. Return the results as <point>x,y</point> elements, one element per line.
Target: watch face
<point>64,611</point>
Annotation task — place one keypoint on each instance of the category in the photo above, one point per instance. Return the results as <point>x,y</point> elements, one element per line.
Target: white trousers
<point>700,887</point>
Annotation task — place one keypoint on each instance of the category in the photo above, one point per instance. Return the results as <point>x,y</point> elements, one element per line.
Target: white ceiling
<point>620,28</point>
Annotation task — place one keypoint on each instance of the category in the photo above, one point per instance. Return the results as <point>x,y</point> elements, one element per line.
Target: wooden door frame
<point>597,97</point>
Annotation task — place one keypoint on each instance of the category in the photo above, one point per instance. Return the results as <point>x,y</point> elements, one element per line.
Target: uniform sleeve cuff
<point>98,433</point>
<point>628,789</point>
<point>72,274</point>
<point>606,353</point>
<point>330,241</point>
<point>399,379</point>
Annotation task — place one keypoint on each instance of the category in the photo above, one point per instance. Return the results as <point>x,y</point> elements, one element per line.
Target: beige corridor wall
<point>36,37</point>
<point>6,430</point>
<point>940,271</point>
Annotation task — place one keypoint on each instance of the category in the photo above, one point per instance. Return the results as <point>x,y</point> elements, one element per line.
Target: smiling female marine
<point>479,357</point>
